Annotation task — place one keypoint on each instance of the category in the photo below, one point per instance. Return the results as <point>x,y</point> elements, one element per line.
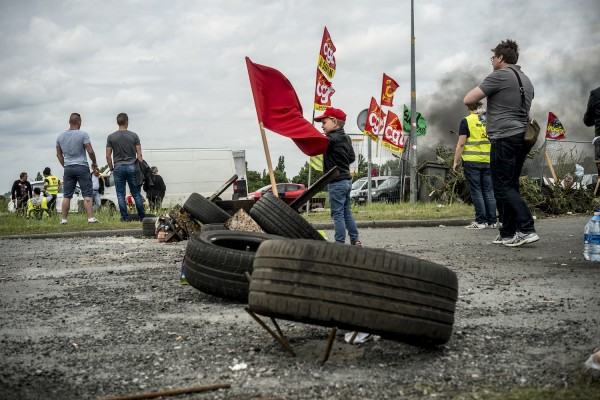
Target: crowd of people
<point>73,147</point>
<point>491,147</point>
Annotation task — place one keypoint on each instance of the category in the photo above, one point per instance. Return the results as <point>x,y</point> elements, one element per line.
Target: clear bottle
<point>591,238</point>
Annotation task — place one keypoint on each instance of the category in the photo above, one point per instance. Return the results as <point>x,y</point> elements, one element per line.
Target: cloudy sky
<point>177,67</point>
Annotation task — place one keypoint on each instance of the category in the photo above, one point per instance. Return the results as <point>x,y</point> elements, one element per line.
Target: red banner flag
<point>278,108</point>
<point>388,87</point>
<point>323,92</point>
<point>392,134</point>
<point>555,129</point>
<point>373,123</point>
<point>326,57</point>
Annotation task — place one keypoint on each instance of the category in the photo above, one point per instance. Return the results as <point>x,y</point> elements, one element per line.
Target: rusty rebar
<point>329,344</point>
<point>281,341</point>
<point>170,392</point>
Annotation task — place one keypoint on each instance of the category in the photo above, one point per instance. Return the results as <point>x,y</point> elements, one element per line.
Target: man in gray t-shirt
<point>507,113</point>
<point>123,148</point>
<point>71,148</point>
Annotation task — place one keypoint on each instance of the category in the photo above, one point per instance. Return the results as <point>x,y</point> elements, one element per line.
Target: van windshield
<point>358,183</point>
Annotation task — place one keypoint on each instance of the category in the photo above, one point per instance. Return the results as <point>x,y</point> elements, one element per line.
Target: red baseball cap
<point>333,113</point>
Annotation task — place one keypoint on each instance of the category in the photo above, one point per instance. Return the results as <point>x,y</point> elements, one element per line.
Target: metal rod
<point>171,392</point>
<point>329,344</point>
<point>282,342</point>
<point>353,337</point>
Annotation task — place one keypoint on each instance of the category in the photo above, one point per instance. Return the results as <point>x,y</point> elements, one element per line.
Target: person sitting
<point>37,206</point>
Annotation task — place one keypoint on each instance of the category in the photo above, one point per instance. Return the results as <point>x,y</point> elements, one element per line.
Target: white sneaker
<point>92,220</point>
<point>493,226</point>
<point>501,240</point>
<point>521,239</point>
<point>475,225</point>
<point>63,222</point>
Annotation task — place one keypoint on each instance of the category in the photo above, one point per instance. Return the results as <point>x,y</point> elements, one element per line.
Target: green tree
<point>302,176</point>
<point>39,177</point>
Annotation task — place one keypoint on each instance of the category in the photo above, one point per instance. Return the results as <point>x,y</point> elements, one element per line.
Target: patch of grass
<point>12,224</point>
<point>401,211</point>
<point>574,392</point>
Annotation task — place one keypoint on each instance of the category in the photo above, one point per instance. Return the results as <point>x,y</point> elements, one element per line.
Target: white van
<point>76,201</point>
<point>184,171</point>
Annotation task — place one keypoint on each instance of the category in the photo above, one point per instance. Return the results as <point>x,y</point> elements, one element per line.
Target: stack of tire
<point>313,281</point>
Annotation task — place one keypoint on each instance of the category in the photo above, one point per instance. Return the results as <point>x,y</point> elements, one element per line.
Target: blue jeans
<point>506,162</point>
<point>126,174</point>
<point>479,178</point>
<point>339,201</point>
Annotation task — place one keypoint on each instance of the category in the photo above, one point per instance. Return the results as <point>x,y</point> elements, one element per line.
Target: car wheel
<point>215,262</point>
<point>369,290</point>
<point>278,218</point>
<point>204,211</point>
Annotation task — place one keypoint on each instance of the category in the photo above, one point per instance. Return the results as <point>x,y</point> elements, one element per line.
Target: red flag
<point>392,137</point>
<point>323,92</point>
<point>388,87</point>
<point>278,108</point>
<point>326,57</point>
<point>555,129</point>
<point>373,123</point>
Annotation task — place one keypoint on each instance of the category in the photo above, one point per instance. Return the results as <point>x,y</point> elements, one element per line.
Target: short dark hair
<point>75,119</point>
<point>122,119</point>
<point>509,50</point>
<point>23,174</point>
<point>37,190</point>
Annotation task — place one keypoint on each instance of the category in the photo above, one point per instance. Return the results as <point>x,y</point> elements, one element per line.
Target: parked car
<point>389,191</point>
<point>358,192</point>
<point>76,201</point>
<point>288,192</point>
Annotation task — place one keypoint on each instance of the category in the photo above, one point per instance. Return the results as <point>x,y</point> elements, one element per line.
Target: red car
<point>288,192</point>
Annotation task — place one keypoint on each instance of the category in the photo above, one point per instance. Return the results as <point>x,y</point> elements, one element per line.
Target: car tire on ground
<point>278,218</point>
<point>204,211</point>
<point>370,290</point>
<point>215,262</point>
<point>149,227</point>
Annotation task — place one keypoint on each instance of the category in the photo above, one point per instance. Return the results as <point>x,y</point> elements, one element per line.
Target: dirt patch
<point>89,317</point>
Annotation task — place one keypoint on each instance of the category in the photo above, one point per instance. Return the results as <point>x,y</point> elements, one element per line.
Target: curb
<point>319,225</point>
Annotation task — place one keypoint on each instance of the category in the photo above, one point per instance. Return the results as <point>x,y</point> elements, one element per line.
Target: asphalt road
<point>86,317</point>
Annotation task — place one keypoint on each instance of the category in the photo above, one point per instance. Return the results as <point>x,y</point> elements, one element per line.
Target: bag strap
<point>521,88</point>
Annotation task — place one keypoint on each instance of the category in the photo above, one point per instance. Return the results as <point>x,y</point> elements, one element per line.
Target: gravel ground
<point>104,316</point>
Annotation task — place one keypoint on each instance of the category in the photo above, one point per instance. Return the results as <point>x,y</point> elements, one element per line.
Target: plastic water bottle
<point>591,238</point>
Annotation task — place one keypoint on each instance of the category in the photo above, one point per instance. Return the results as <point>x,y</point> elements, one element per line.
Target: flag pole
<point>413,110</point>
<point>268,156</point>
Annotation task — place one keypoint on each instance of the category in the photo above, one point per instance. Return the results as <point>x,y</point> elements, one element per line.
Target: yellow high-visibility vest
<point>40,211</point>
<point>478,146</point>
<point>52,184</point>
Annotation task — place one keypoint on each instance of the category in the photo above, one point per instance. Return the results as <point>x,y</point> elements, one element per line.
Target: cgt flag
<point>392,134</point>
<point>326,57</point>
<point>555,129</point>
<point>421,123</point>
<point>323,92</point>
<point>373,123</point>
<point>279,110</point>
<point>388,87</point>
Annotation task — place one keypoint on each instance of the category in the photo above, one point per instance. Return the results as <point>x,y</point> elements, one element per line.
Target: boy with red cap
<point>339,154</point>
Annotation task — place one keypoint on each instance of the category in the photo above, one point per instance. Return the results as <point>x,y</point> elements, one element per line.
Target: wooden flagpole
<point>551,167</point>
<point>268,156</point>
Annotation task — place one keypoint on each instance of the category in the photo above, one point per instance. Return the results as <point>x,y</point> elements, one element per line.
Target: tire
<point>278,218</point>
<point>149,227</point>
<point>215,262</point>
<point>204,211</point>
<point>213,227</point>
<point>370,290</point>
